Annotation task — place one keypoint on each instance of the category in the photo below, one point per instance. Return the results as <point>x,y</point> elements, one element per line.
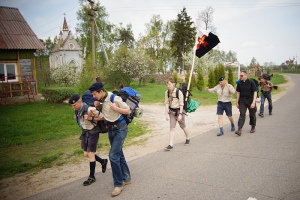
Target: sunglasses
<point>241,75</point>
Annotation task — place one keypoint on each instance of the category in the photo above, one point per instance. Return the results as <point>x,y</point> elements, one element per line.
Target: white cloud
<point>249,44</point>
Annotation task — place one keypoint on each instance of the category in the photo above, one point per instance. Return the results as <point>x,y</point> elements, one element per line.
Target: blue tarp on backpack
<point>132,98</point>
<point>88,98</point>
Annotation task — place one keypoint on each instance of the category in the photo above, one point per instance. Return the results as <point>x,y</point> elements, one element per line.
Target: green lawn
<point>41,134</point>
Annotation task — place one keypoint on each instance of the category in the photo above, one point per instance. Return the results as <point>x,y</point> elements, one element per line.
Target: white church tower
<point>67,51</point>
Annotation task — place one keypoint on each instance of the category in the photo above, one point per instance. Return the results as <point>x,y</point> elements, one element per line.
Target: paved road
<point>264,165</point>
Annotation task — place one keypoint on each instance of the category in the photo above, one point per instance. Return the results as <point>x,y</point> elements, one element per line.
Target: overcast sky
<point>267,30</point>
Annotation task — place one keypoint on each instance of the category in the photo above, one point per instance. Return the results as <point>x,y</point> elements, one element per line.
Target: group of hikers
<point>112,109</point>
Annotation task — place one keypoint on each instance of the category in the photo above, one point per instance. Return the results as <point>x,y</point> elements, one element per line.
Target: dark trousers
<point>244,105</point>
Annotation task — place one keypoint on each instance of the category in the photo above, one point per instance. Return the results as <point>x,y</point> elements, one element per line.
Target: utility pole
<point>92,14</point>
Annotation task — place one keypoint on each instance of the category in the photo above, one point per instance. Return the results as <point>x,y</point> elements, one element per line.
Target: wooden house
<point>18,43</point>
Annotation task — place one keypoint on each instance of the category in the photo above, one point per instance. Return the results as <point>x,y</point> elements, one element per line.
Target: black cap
<point>74,98</point>
<point>96,86</point>
<point>221,78</point>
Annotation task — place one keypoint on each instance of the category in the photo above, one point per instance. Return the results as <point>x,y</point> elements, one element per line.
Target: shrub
<point>200,80</point>
<point>151,80</point>
<point>57,95</point>
<point>65,75</point>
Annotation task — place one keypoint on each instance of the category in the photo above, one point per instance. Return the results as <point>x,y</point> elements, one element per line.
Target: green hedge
<point>58,94</point>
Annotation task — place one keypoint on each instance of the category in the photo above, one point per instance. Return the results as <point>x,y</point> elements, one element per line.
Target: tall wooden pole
<point>93,38</point>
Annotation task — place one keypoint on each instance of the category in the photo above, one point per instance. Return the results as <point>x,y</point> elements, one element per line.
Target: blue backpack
<point>131,97</point>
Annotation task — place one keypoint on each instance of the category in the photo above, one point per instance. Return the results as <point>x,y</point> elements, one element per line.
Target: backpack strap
<point>112,97</point>
<point>177,93</point>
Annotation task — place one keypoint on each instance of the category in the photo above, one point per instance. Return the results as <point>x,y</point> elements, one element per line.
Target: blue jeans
<point>263,97</point>
<point>120,169</point>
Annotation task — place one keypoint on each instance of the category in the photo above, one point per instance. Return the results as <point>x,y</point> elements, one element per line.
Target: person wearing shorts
<point>174,112</point>
<point>224,92</point>
<point>86,117</point>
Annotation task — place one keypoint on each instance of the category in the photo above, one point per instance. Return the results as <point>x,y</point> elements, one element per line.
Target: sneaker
<point>187,142</point>
<point>168,148</point>
<point>116,191</point>
<point>89,181</point>
<point>220,134</point>
<point>261,115</point>
<point>104,165</point>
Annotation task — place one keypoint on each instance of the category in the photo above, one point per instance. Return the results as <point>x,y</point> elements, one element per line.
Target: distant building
<point>289,62</point>
<point>18,43</point>
<point>67,51</point>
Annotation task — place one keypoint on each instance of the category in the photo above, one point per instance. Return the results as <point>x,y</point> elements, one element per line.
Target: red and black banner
<point>206,43</point>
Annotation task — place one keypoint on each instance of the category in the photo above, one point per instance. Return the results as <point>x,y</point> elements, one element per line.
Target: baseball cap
<point>221,78</point>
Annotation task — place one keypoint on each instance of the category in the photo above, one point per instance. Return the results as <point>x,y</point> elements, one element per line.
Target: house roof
<point>15,33</point>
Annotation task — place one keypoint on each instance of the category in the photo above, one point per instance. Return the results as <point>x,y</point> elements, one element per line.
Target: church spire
<point>65,25</point>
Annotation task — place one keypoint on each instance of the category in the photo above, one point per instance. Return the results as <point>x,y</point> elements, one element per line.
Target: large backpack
<point>186,95</point>
<point>132,98</point>
<point>88,98</point>
<point>267,77</point>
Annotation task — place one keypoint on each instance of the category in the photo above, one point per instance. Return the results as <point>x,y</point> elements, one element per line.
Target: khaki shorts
<point>173,120</point>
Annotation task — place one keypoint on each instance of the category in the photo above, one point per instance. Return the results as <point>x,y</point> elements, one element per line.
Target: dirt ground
<point>199,122</point>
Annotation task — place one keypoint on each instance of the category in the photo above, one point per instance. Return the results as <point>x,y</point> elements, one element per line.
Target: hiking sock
<point>221,129</point>
<point>100,160</point>
<point>92,169</point>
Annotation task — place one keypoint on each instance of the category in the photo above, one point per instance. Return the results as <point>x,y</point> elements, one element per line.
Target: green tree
<point>183,38</point>
<point>193,81</point>
<point>217,75</point>
<point>230,76</point>
<point>106,29</point>
<point>125,36</point>
<point>211,78</point>
<point>200,81</point>
<point>175,78</point>
<point>156,42</point>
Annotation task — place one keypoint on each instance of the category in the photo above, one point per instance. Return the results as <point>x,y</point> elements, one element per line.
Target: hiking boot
<point>239,132</point>
<point>220,134</point>
<point>261,114</point>
<point>116,191</point>
<point>89,181</point>
<point>252,129</point>
<point>104,165</point>
<point>168,148</point>
<point>187,142</point>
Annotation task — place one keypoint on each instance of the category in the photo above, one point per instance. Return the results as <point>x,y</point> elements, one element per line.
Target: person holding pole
<point>225,92</point>
<point>174,112</point>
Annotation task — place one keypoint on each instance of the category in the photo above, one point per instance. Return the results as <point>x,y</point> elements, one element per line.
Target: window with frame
<point>8,72</point>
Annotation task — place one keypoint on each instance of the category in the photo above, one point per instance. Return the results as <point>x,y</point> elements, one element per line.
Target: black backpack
<point>88,98</point>
<point>132,98</point>
<point>186,94</point>
<point>267,77</point>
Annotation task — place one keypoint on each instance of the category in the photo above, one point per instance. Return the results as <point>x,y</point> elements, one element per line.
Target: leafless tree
<point>205,19</point>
